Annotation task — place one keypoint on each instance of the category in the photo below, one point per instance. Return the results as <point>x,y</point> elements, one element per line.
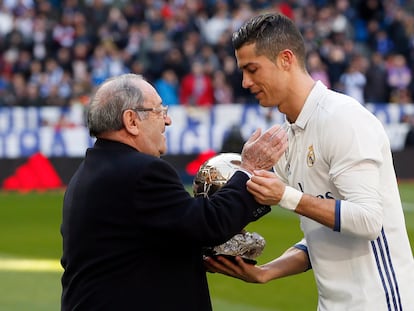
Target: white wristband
<point>290,198</point>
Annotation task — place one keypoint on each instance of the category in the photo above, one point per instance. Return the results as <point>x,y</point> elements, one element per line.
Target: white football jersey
<point>338,150</point>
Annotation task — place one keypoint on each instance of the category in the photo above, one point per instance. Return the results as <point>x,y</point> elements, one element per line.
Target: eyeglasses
<point>162,109</point>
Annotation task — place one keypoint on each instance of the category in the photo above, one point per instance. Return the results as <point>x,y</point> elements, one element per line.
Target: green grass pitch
<point>30,248</point>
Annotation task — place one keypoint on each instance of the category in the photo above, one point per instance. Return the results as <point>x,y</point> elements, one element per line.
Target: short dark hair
<point>272,33</point>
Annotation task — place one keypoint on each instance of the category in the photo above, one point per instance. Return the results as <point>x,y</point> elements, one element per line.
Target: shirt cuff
<point>246,172</point>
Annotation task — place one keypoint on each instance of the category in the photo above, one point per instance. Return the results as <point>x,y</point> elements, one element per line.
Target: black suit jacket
<point>133,235</point>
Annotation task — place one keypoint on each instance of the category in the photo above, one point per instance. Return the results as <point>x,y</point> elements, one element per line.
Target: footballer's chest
<point>305,165</point>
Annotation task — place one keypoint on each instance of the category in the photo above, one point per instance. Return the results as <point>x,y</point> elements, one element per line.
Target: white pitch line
<point>22,264</point>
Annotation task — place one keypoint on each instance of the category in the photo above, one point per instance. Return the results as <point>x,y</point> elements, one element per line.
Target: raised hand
<point>262,151</point>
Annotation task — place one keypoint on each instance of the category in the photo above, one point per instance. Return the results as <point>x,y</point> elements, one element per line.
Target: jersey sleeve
<point>357,142</point>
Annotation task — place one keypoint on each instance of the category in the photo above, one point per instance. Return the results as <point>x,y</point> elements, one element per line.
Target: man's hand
<point>261,152</point>
<point>266,187</point>
<point>237,268</point>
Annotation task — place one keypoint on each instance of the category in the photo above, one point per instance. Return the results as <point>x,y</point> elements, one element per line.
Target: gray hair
<point>111,99</point>
<point>272,33</point>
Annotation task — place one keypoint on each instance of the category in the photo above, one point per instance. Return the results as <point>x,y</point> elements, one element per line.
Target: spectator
<point>36,72</point>
<point>99,65</point>
<point>51,77</point>
<point>64,59</point>
<point>80,66</point>
<point>214,27</point>
<point>233,76</point>
<point>53,98</point>
<point>210,60</point>
<point>376,88</point>
<point>336,65</point>
<point>158,46</point>
<point>117,27</point>
<point>23,63</point>
<point>381,42</point>
<point>16,91</point>
<point>175,61</point>
<point>40,38</point>
<point>352,81</point>
<point>167,87</point>
<point>371,10</point>
<point>6,17</point>
<point>32,96</point>
<point>191,46</point>
<point>193,28</point>
<point>317,69</point>
<point>134,38</point>
<point>197,87</point>
<point>4,86</point>
<point>397,32</point>
<point>64,32</point>
<point>399,74</point>
<point>223,93</point>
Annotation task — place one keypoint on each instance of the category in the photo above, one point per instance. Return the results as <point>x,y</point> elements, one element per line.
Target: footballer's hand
<point>262,151</point>
<point>236,268</point>
<point>266,187</point>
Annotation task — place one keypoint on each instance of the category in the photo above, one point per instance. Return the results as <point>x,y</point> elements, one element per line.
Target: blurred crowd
<point>56,52</point>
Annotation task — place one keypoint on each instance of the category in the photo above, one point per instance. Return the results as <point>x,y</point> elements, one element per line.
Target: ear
<point>286,58</point>
<point>131,122</point>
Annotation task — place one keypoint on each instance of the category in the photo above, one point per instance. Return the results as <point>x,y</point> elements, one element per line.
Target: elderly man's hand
<point>261,152</point>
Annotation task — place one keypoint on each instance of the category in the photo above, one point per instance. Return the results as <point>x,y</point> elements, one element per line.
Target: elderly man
<point>132,235</point>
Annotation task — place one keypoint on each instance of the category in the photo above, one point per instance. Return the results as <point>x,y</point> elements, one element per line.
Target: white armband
<point>290,198</point>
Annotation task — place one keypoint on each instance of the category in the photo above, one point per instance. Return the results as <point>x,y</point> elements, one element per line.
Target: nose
<point>246,82</point>
<point>167,120</point>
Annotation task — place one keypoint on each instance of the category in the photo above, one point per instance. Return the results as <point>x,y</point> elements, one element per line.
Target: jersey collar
<point>310,105</point>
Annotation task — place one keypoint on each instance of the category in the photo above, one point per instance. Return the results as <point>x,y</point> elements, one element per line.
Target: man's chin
<point>265,103</point>
<point>162,151</point>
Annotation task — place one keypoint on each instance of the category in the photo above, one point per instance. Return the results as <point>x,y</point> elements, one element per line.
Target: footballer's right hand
<point>236,268</point>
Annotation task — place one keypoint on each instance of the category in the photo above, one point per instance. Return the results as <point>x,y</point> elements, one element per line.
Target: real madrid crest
<point>310,158</point>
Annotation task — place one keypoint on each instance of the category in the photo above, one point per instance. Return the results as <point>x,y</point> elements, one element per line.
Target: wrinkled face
<point>152,128</point>
<point>265,78</point>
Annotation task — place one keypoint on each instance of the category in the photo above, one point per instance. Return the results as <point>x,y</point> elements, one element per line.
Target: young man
<point>337,174</point>
<point>133,237</point>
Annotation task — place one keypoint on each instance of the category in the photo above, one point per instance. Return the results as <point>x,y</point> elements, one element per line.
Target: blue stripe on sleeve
<point>337,225</point>
<point>305,249</point>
